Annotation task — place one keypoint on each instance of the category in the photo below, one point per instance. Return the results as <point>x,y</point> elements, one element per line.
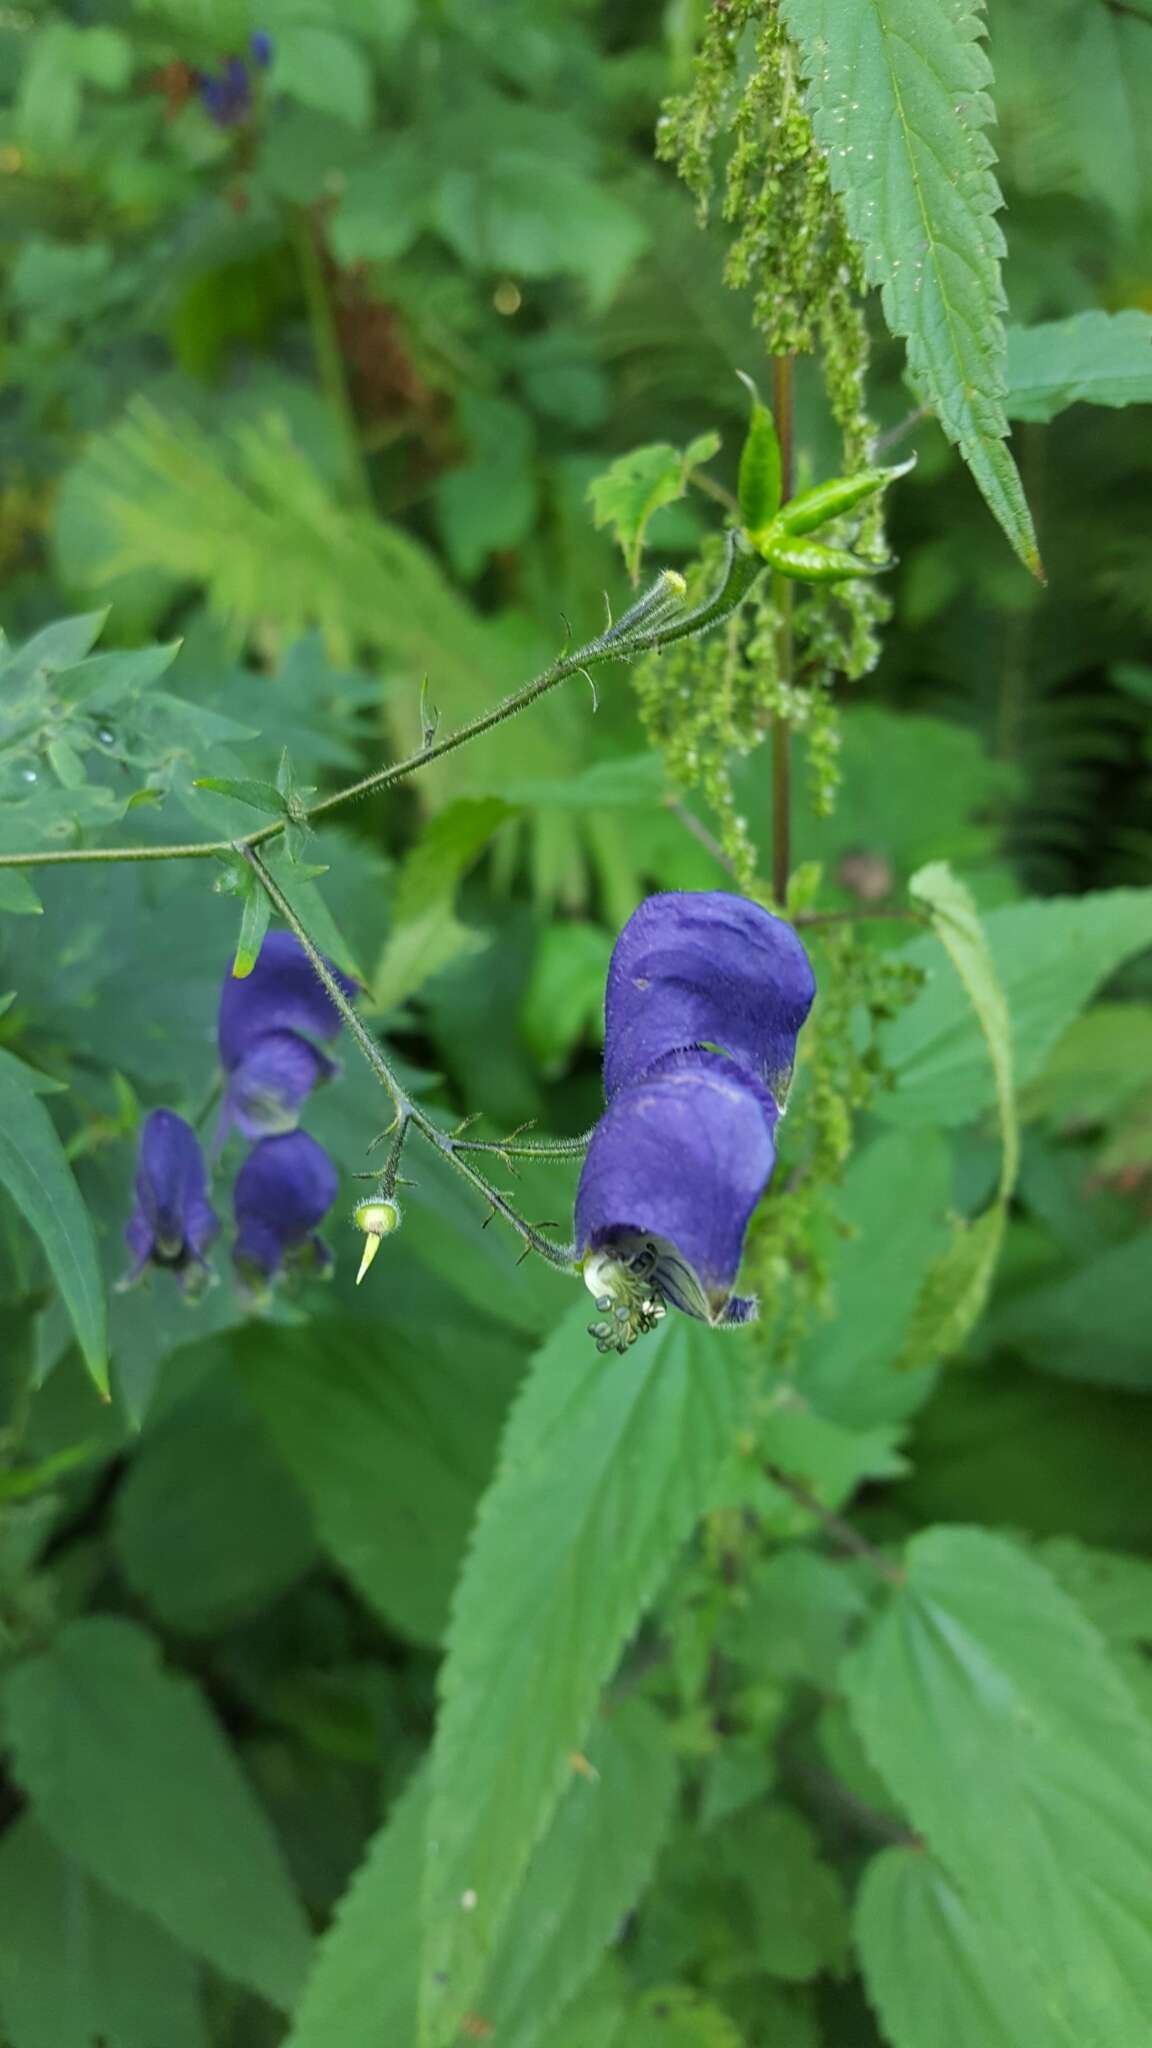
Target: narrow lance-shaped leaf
<point>760,480</point>
<point>36,1173</point>
<point>839,495</point>
<point>898,91</point>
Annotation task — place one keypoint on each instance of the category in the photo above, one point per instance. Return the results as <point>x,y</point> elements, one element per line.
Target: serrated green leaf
<point>939,1969</point>
<point>760,471</point>
<point>391,1463</point>
<point>954,1293</point>
<point>77,1965</point>
<point>322,69</point>
<point>898,91</point>
<point>992,1709</point>
<point>602,1477</point>
<point>637,485</point>
<point>130,1775</point>
<point>584,1878</point>
<point>1049,957</point>
<point>426,934</point>
<point>36,1173</point>
<point>1093,359</point>
<point>958,927</point>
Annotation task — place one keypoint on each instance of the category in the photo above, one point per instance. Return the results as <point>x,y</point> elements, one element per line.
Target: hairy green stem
<point>407,1112</point>
<point>656,620</point>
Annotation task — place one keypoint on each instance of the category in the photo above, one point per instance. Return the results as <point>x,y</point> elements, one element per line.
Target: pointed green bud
<point>377,1218</point>
<point>809,562</point>
<point>839,495</point>
<point>759,486</point>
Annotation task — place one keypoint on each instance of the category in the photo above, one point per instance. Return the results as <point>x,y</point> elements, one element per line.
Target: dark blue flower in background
<point>283,1191</point>
<point>260,46</point>
<point>705,969</point>
<point>173,1223</point>
<point>706,994</point>
<point>267,1027</point>
<point>226,95</point>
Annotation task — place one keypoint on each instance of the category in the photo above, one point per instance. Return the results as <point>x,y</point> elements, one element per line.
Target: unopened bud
<point>377,1218</point>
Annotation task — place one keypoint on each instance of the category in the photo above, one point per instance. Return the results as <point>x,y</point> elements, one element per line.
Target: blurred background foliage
<point>316,392</point>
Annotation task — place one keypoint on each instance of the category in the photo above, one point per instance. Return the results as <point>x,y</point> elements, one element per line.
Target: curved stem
<point>407,1111</point>
<point>655,620</point>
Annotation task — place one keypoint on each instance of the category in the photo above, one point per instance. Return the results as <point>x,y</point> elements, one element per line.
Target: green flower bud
<point>377,1217</point>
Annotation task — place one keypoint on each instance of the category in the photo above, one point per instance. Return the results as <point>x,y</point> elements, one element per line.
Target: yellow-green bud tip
<point>377,1219</point>
<point>674,581</point>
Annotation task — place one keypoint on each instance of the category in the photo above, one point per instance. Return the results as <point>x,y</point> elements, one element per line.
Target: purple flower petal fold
<point>675,1168</point>
<point>173,1222</point>
<point>282,993</point>
<point>269,1085</point>
<point>284,1189</point>
<point>705,969</point>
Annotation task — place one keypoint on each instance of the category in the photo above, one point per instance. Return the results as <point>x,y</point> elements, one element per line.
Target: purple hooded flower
<point>284,1189</point>
<point>266,1029</point>
<point>173,1222</point>
<point>705,969</point>
<point>260,47</point>
<point>675,1168</point>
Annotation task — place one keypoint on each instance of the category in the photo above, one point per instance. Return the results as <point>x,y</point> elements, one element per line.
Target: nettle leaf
<point>939,1969</point>
<point>636,486</point>
<point>994,1712</point>
<point>129,1774</point>
<point>78,1965</point>
<point>1093,359</point>
<point>1050,958</point>
<point>898,91</point>
<point>35,1171</point>
<point>584,1879</point>
<point>17,894</point>
<point>602,1478</point>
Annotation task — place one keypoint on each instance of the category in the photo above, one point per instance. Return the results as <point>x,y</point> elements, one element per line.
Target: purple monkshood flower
<point>267,1025</point>
<point>703,968</point>
<point>260,47</point>
<point>675,1168</point>
<point>284,1189</point>
<point>173,1222</point>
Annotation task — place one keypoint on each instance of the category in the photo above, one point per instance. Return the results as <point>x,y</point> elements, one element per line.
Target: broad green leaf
<point>939,1968</point>
<point>1114,1591</point>
<point>324,70</point>
<point>604,1471</point>
<point>1093,359</point>
<point>523,213</point>
<point>893,1208</point>
<point>583,1879</point>
<point>426,934</point>
<point>490,501</point>
<point>130,1775</point>
<point>899,93</point>
<point>1090,1324</point>
<point>992,1709</point>
<point>209,1526</point>
<point>799,1923</point>
<point>36,1174</point>
<point>362,1989</point>
<point>392,1455</point>
<point>1050,958</point>
<point>58,646</point>
<point>382,205</point>
<point>77,1965</point>
<point>106,679</point>
<point>627,495</point>
<point>760,472</point>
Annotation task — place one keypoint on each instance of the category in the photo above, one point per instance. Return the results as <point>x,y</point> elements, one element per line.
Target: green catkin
<point>792,251</point>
